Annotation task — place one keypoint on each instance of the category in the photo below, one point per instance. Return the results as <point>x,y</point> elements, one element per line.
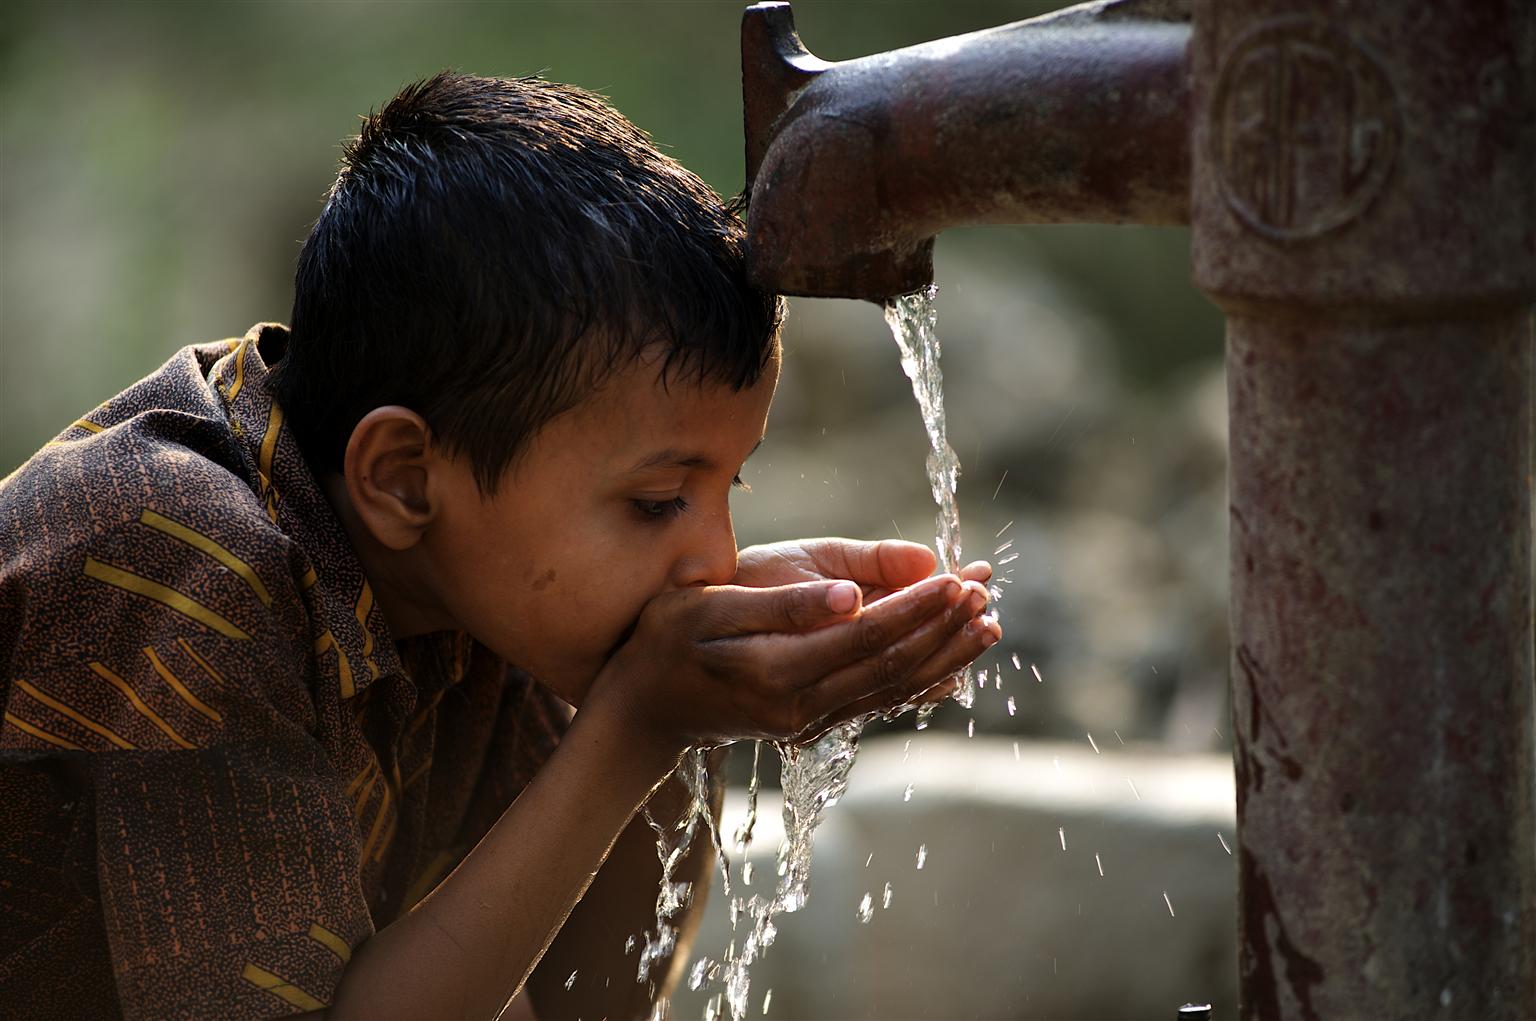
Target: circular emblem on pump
<point>1304,128</point>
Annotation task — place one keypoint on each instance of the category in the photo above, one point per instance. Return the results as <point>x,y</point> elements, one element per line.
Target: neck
<point>401,579</point>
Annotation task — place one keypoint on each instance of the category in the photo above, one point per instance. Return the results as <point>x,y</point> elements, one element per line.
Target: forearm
<point>622,903</point>
<point>465,950</point>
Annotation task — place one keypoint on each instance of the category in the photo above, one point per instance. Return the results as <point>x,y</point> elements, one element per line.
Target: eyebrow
<point>675,458</point>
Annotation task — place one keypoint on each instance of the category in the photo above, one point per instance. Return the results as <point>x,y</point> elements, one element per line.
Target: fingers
<point>734,610</point>
<point>887,564</point>
<point>977,570</point>
<point>901,670</point>
<point>806,660</point>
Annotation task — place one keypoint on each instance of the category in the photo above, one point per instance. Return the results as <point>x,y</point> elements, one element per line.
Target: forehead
<point>636,414</point>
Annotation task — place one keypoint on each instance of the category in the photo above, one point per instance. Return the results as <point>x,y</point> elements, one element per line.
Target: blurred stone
<point>1001,921</point>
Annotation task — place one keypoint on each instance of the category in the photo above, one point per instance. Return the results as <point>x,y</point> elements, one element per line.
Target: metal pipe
<point>1364,211</point>
<point>853,167</point>
<point>1363,204</point>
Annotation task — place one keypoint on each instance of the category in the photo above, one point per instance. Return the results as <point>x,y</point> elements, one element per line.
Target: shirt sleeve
<point>161,655</point>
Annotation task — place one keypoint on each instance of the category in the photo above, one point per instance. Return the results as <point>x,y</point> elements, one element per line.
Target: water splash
<point>912,319</point>
<point>815,776</point>
<point>672,845</point>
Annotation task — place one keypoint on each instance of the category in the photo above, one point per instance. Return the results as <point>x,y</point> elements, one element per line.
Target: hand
<point>787,663</point>
<point>879,568</point>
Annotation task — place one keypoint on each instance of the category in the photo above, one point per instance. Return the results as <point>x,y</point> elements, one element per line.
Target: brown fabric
<point>218,772</point>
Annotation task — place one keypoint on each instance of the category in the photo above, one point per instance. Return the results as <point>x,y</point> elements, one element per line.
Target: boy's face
<point>621,498</point>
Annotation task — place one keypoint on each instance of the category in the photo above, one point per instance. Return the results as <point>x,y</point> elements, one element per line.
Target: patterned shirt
<point>218,772</point>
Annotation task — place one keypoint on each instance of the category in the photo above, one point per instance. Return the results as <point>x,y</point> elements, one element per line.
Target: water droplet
<point>1017,664</point>
<point>970,727</point>
<point>906,795</point>
<point>1012,706</point>
<point>1445,997</point>
<point>746,874</point>
<point>1004,548</point>
<point>629,945</point>
<point>1010,558</point>
<point>1098,862</point>
<point>1000,531</point>
<point>1133,788</point>
<point>1015,751</point>
<point>1093,742</point>
<point>866,908</point>
<point>869,859</point>
<point>1169,903</point>
<point>1036,671</point>
<point>1223,840</point>
<point>1061,831</point>
<point>922,854</point>
<point>572,981</point>
<point>885,898</point>
<point>767,999</point>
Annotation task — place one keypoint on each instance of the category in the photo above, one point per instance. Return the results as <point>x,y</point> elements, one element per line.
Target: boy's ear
<point>391,470</point>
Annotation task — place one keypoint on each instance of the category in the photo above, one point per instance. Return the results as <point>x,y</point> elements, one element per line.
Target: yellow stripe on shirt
<point>100,670</point>
<point>261,978</point>
<point>38,732</point>
<point>64,710</point>
<point>181,689</point>
<point>332,942</point>
<point>163,594</point>
<point>197,540</point>
<point>207,667</point>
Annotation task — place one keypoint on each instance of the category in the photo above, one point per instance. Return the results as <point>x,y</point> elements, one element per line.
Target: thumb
<point>738,610</point>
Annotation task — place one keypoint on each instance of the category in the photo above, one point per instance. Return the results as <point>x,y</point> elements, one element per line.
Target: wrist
<point>610,714</point>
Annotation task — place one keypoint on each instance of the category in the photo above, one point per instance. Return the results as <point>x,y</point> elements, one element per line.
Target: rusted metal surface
<point>855,166</point>
<point>1381,667</point>
<point>1364,210</point>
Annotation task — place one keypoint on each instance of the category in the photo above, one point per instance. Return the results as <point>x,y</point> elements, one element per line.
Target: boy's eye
<point>660,510</point>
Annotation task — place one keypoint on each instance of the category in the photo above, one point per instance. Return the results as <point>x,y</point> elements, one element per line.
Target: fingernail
<point>843,597</point>
<point>951,592</point>
<point>988,639</point>
<point>978,600</point>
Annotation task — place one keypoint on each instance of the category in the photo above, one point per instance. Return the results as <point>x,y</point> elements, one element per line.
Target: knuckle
<point>793,609</point>
<point>872,637</point>
<point>888,669</point>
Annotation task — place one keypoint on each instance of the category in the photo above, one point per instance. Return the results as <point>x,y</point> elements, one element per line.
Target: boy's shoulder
<point>148,509</point>
<point>162,456</point>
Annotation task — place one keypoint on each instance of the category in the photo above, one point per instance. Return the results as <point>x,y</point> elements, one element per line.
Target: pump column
<point>1364,211</point>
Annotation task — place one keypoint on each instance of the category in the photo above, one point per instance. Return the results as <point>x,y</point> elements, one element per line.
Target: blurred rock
<point>1001,920</point>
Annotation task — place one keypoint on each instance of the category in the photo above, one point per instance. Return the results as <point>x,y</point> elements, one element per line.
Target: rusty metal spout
<point>854,167</point>
<point>1359,179</point>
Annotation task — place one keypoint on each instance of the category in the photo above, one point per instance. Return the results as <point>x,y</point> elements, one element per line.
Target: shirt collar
<point>341,601</point>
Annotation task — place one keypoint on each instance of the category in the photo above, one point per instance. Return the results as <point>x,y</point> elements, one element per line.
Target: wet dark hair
<point>492,250</point>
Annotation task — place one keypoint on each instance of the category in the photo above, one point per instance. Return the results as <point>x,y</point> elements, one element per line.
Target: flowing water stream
<point>813,776</point>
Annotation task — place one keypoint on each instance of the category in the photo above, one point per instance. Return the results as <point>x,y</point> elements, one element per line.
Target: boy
<point>271,619</point>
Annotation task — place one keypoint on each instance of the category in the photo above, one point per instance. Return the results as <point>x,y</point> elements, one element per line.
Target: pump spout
<point>853,167</point>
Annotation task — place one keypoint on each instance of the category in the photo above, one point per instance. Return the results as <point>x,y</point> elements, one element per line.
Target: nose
<point>709,554</point>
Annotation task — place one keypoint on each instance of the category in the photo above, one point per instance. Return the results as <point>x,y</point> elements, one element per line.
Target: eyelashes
<point>667,510</point>
<point>660,510</point>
